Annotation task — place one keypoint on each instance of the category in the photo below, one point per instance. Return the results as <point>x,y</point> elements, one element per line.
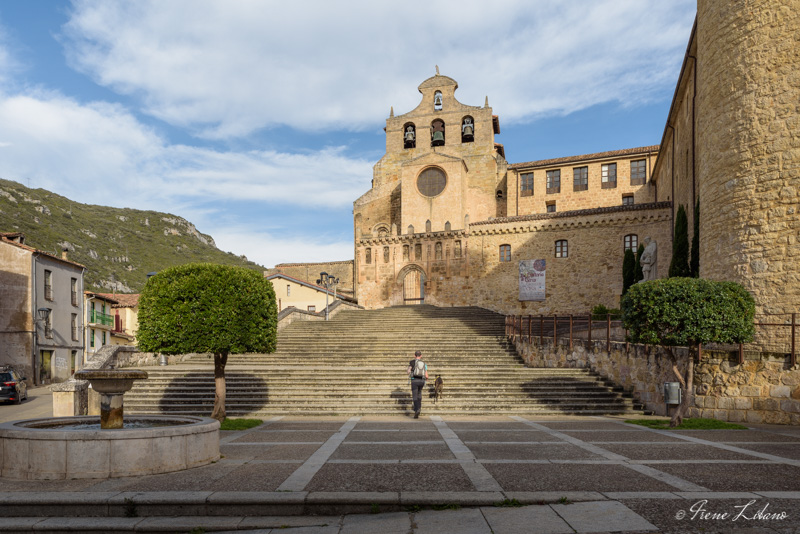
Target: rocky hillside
<point>119,246</point>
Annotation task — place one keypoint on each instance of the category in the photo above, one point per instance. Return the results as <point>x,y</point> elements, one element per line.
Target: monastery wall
<point>309,272</point>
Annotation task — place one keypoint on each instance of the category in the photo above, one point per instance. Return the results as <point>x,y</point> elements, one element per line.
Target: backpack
<point>417,368</point>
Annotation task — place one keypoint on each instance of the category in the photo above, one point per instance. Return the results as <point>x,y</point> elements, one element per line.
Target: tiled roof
<point>304,283</point>
<point>597,155</point>
<point>575,213</point>
<point>124,300</point>
<point>311,263</point>
<point>4,239</point>
<point>108,297</point>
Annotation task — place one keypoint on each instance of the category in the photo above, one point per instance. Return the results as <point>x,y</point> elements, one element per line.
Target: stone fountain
<point>83,447</point>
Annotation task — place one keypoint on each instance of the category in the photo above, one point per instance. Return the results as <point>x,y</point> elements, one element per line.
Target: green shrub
<point>600,312</point>
<point>628,270</point>
<point>679,266</point>
<point>202,307</point>
<point>694,262</point>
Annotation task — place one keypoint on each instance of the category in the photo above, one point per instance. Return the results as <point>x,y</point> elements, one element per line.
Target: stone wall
<point>764,389</point>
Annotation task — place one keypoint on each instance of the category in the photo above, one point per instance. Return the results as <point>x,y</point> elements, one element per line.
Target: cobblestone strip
<point>672,480</point>
<point>298,480</point>
<point>227,439</point>
<point>478,475</point>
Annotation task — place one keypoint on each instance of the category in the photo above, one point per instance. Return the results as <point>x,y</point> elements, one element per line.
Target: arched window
<point>409,135</point>
<point>437,101</point>
<point>631,243</point>
<point>368,256</point>
<point>499,194</point>
<point>437,133</point>
<point>505,252</point>
<point>562,248</point>
<point>467,129</point>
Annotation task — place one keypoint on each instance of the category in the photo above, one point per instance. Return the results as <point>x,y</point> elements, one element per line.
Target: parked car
<point>12,386</point>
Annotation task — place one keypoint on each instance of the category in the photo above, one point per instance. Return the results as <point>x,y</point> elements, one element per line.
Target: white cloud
<point>226,69</point>
<point>8,65</point>
<point>99,153</point>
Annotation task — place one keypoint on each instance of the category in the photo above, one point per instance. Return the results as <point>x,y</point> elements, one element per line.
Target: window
<point>562,250</point>
<point>526,185</point>
<point>288,290</point>
<point>74,290</point>
<point>409,135</point>
<point>627,200</point>
<point>639,172</point>
<point>551,206</point>
<point>431,182</point>
<point>505,252</point>
<point>48,285</point>
<point>553,181</point>
<point>609,174</point>
<point>369,256</point>
<point>312,308</point>
<point>580,178</point>
<point>91,339</point>
<point>631,242</point>
<point>104,338</point>
<point>74,327</point>
<point>467,130</point>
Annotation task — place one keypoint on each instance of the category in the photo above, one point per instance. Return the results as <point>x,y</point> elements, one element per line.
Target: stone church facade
<point>449,221</point>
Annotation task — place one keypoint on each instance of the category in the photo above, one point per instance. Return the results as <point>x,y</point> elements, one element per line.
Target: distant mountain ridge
<point>119,246</point>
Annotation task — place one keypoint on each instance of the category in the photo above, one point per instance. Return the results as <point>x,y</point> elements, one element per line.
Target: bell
<point>468,130</point>
<point>438,136</point>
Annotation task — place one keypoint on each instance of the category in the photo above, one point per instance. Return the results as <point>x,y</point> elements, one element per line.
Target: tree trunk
<point>687,385</point>
<point>220,360</point>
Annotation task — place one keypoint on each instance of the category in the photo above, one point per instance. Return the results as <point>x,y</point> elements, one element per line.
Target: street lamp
<point>42,314</point>
<point>327,281</point>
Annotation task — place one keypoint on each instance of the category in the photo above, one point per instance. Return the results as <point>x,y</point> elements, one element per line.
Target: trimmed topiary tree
<point>679,266</point>
<point>694,262</point>
<point>208,308</point>
<point>687,312</point>
<point>628,270</point>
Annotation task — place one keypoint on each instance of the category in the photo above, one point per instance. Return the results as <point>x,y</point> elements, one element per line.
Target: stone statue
<point>410,136</point>
<point>467,128</point>
<point>649,260</point>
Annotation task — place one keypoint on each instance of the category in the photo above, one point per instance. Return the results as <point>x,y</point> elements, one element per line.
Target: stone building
<point>448,221</point>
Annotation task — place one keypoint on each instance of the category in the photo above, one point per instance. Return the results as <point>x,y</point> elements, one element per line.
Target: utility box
<point>672,392</point>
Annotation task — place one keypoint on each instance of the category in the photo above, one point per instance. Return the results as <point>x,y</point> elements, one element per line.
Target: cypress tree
<point>637,270</point>
<point>628,270</point>
<point>679,266</point>
<point>694,265</point>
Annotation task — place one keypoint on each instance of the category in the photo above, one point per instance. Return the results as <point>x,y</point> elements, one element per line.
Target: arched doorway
<point>413,284</point>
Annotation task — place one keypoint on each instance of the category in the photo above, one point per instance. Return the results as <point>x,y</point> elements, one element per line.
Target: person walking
<point>417,374</point>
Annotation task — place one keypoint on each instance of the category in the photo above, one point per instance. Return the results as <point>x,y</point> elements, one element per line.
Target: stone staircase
<point>356,364</point>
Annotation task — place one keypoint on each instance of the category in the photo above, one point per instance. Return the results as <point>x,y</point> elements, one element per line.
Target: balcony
<point>96,317</point>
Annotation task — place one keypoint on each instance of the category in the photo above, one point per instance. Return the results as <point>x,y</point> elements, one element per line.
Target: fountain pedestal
<point>111,384</point>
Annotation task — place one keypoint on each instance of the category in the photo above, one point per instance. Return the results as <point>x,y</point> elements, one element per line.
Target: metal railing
<point>776,333</point>
<point>97,317</point>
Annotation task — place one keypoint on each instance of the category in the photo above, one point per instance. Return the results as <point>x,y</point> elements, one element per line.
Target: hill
<point>119,246</point>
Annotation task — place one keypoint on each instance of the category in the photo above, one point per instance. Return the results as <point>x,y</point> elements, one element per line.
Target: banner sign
<point>531,279</point>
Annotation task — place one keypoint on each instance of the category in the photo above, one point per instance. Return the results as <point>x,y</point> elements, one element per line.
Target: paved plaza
<point>457,474</point>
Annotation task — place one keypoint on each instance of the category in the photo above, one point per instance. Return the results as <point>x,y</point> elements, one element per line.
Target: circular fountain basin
<point>62,447</point>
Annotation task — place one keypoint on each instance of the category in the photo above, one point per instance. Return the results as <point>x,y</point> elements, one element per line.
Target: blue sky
<point>260,121</point>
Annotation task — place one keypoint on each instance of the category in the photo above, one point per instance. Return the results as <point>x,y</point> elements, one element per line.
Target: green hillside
<point>119,246</point>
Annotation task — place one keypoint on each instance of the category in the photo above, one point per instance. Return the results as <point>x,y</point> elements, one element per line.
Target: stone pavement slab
<point>391,523</point>
<point>465,521</point>
<point>738,477</point>
<point>541,519</point>
<point>674,451</point>
<point>602,517</point>
<point>379,451</point>
<point>573,477</point>
<point>390,477</point>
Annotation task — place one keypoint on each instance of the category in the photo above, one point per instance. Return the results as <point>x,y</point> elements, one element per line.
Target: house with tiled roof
<point>41,311</point>
<point>125,311</point>
<point>292,292</point>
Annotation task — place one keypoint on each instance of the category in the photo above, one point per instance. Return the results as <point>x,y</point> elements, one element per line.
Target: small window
<point>631,242</point>
<point>562,250</point>
<point>526,185</point>
<point>91,338</point>
<point>580,178</point>
<point>499,194</point>
<point>369,256</point>
<point>553,181</point>
<point>48,285</point>
<point>74,290</point>
<point>288,290</point>
<point>639,172</point>
<point>609,176</point>
<point>410,136</point>
<point>627,200</point>
<point>312,308</point>
<point>104,337</point>
<point>505,252</point>
<point>551,206</point>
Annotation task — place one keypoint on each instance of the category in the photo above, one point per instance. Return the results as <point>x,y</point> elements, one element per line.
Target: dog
<point>438,388</point>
